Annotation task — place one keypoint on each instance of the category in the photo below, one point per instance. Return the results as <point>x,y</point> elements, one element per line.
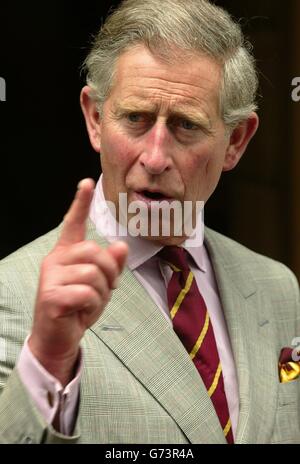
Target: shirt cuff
<point>47,392</point>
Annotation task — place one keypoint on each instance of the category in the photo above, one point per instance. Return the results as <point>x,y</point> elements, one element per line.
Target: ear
<point>92,117</point>
<point>239,139</point>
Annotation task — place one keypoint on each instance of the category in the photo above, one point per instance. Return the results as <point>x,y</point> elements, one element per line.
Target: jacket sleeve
<point>20,420</point>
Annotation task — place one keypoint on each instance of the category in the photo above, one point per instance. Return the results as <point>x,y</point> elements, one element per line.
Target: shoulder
<point>19,276</point>
<point>261,269</point>
<point>26,260</point>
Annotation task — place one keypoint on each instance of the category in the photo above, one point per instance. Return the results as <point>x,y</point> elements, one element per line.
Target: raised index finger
<point>73,230</point>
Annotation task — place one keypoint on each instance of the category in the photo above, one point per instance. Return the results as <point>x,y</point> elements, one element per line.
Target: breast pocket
<point>287,424</point>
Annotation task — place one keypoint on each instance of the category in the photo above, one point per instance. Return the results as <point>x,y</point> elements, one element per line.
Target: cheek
<point>213,170</point>
<point>115,150</point>
<point>201,171</point>
<point>195,165</point>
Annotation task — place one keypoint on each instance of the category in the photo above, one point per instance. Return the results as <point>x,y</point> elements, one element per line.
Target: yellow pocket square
<point>288,368</point>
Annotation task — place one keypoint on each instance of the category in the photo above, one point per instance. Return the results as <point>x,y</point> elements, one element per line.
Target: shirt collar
<point>140,250</point>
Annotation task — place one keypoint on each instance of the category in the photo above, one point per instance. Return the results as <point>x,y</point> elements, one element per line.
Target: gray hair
<point>195,26</point>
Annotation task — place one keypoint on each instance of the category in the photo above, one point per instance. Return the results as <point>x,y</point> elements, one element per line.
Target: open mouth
<point>153,195</point>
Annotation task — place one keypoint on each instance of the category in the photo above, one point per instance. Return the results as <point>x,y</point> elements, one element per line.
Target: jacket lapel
<point>249,321</point>
<point>139,335</point>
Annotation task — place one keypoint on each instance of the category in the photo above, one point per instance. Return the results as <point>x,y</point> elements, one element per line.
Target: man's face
<point>161,134</point>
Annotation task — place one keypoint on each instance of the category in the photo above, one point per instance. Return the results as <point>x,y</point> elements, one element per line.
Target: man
<point>113,337</point>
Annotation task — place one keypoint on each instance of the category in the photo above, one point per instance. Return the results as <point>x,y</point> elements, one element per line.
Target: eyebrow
<point>194,116</point>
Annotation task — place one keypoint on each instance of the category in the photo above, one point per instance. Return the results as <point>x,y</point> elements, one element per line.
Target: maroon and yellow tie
<point>192,324</point>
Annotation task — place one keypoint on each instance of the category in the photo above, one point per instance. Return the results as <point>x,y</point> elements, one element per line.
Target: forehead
<point>193,81</point>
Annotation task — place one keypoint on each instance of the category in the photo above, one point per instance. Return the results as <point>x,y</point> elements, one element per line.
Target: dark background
<point>45,150</point>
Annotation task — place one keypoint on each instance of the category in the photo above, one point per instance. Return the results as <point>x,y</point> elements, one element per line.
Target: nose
<point>156,155</point>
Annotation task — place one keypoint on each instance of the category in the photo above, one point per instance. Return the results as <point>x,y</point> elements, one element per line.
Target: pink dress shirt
<point>154,277</point>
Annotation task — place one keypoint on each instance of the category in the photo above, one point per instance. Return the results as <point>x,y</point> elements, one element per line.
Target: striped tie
<point>192,324</point>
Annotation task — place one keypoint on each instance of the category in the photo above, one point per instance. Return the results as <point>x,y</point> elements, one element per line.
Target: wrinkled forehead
<point>188,79</point>
<point>139,56</point>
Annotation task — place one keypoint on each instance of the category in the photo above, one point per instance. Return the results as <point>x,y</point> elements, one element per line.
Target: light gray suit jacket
<point>139,384</point>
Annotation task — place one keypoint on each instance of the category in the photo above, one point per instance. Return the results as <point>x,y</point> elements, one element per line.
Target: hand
<point>76,281</point>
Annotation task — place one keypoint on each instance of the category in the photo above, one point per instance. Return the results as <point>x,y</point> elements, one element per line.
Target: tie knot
<point>176,257</point>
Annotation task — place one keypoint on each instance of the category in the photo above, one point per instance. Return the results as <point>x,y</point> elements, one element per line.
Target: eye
<point>187,125</point>
<point>138,122</point>
<point>135,117</point>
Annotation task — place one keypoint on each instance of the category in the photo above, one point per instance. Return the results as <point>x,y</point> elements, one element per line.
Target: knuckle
<point>90,272</point>
<point>111,264</point>
<point>92,247</point>
<point>87,293</point>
